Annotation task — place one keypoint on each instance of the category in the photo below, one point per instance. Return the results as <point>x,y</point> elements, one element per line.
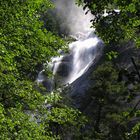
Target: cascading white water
<point>83,51</point>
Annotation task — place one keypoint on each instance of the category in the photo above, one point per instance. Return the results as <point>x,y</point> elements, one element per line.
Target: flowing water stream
<point>82,52</point>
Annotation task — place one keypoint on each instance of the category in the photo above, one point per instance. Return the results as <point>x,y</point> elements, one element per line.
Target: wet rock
<point>64,69</point>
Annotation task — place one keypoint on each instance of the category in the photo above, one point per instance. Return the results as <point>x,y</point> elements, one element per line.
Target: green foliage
<point>135,131</point>
<point>50,120</point>
<point>118,26</point>
<point>25,44</point>
<point>111,107</point>
<point>111,55</point>
<point>25,47</point>
<point>25,113</point>
<point>18,125</point>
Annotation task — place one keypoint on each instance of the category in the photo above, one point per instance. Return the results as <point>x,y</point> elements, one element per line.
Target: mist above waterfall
<point>73,17</point>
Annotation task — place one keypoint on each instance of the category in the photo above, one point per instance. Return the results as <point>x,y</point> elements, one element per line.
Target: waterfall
<point>82,55</point>
<point>82,52</point>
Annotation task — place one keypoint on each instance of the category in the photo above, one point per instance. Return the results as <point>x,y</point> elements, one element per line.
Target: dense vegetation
<point>27,111</point>
<point>112,104</point>
<point>25,47</point>
<point>115,20</point>
<point>114,97</point>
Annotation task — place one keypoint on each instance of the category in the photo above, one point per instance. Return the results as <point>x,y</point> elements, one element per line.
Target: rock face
<point>65,66</point>
<point>49,84</point>
<point>126,52</point>
<point>64,69</point>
